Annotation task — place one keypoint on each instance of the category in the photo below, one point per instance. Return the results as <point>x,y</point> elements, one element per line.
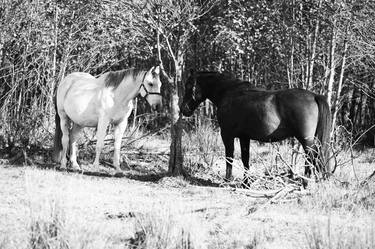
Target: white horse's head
<point>150,88</point>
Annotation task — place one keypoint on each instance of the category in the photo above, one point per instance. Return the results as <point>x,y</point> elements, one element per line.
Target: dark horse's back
<point>269,115</point>
<point>275,115</point>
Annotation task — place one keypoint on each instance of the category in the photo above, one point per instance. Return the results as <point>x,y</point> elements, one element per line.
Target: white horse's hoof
<point>119,172</point>
<point>75,166</point>
<point>95,166</point>
<point>62,167</point>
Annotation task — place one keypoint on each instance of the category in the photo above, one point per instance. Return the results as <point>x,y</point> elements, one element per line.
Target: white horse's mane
<point>114,78</point>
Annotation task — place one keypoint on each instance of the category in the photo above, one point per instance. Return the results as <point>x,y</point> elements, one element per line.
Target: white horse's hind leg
<point>119,132</point>
<point>73,136</point>
<point>100,134</point>
<point>64,121</point>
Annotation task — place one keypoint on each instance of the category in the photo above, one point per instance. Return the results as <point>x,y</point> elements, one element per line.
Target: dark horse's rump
<point>248,113</point>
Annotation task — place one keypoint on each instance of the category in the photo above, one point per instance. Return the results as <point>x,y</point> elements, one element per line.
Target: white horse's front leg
<point>119,132</point>
<point>100,135</point>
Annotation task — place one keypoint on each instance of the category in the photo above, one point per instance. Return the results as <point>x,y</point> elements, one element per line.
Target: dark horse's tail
<point>323,131</point>
<point>56,155</point>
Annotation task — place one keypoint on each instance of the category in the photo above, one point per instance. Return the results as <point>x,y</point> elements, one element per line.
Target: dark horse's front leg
<point>245,153</point>
<point>229,148</point>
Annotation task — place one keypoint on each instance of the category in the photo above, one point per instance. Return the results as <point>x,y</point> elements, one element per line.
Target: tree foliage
<point>324,46</point>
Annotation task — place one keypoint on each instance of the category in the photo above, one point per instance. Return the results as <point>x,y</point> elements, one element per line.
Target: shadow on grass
<point>145,173</point>
<point>146,177</point>
<point>201,182</point>
<point>137,175</point>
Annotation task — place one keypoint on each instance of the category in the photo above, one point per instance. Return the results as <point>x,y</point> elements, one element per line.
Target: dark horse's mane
<point>114,78</point>
<point>227,81</point>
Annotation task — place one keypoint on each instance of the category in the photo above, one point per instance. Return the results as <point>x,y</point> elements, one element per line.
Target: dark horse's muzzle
<point>186,110</point>
<point>157,107</point>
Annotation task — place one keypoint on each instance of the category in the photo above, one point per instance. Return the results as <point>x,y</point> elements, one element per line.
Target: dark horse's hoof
<point>304,183</point>
<point>119,174</point>
<point>228,179</point>
<point>246,183</point>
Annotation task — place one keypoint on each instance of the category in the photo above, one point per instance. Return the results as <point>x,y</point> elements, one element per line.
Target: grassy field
<point>44,208</point>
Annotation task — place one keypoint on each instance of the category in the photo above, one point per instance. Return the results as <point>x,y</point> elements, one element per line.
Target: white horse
<point>85,101</point>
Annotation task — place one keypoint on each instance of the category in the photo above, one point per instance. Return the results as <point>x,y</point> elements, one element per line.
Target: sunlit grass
<point>328,234</point>
<point>69,210</point>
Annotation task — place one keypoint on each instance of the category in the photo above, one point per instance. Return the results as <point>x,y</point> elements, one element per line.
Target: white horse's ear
<point>157,70</point>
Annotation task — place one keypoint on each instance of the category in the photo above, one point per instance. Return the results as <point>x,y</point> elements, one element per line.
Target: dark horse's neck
<point>216,85</point>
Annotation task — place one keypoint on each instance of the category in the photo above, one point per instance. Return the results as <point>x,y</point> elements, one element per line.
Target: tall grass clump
<point>331,196</point>
<point>319,236</point>
<point>165,230</point>
<point>202,146</point>
<point>47,231</point>
<point>4,242</point>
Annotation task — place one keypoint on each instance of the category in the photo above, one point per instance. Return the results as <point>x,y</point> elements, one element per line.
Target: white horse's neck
<point>129,87</point>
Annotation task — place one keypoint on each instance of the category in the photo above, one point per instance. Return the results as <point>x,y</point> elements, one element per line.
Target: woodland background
<point>327,46</point>
<point>324,46</point>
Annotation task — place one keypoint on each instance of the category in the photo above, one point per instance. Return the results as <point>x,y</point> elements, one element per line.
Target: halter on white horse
<point>85,101</point>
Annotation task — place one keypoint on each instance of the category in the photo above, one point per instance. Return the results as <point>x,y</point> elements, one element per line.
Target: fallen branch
<point>284,192</point>
<point>258,193</point>
<point>292,170</point>
<point>273,195</point>
<point>367,179</point>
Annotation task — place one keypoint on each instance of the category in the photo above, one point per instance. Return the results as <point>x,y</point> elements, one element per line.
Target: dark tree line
<point>324,46</point>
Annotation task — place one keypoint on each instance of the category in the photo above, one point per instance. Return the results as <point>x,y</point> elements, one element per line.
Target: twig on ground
<point>292,170</point>
<point>367,179</point>
<point>257,193</point>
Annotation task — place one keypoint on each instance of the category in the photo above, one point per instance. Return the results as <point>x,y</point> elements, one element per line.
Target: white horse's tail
<point>56,155</point>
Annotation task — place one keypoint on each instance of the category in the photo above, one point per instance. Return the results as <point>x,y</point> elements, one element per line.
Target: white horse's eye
<point>150,84</point>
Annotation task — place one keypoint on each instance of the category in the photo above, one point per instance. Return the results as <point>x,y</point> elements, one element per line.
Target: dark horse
<point>267,116</point>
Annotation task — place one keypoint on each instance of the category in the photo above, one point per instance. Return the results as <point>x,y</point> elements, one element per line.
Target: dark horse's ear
<point>191,72</point>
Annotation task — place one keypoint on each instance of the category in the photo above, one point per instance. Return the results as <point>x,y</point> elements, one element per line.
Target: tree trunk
<point>176,159</point>
<point>331,66</point>
<point>354,105</point>
<point>53,82</point>
<point>339,87</point>
<point>313,52</point>
<point>364,116</point>
<point>175,166</point>
<point>290,68</point>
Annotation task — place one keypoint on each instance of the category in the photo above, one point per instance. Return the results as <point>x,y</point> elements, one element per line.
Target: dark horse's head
<point>193,95</point>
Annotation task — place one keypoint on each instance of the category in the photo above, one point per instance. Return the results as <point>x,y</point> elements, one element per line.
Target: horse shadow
<point>133,172</point>
<point>154,177</point>
<point>140,169</point>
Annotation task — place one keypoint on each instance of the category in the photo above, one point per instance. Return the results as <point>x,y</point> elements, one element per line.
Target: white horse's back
<point>77,96</point>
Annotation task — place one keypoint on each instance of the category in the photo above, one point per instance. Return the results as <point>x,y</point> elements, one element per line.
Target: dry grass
<point>333,236</point>
<point>202,148</point>
<point>49,209</point>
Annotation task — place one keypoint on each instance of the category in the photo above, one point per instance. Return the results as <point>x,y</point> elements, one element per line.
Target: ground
<point>146,209</point>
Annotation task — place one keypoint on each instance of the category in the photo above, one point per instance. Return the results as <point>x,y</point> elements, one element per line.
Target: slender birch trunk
<point>53,82</point>
<point>313,52</point>
<point>290,70</point>
<point>339,87</point>
<point>331,65</point>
